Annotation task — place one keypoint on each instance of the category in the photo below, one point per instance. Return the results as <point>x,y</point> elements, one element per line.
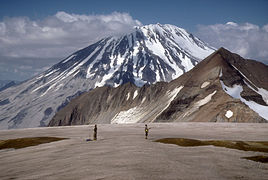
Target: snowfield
<point>121,152</point>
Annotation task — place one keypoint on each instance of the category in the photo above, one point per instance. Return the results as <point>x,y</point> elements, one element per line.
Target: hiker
<point>146,131</point>
<point>95,133</point>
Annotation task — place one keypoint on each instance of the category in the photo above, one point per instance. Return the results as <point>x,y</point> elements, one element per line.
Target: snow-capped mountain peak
<point>149,54</point>
<point>163,52</point>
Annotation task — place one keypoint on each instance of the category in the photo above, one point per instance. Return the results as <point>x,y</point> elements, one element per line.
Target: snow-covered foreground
<point>121,152</point>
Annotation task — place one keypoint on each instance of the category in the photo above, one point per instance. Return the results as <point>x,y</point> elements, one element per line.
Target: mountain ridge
<point>205,93</point>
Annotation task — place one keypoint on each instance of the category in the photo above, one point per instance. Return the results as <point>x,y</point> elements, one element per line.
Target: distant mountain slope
<point>4,84</point>
<point>149,54</point>
<point>222,88</point>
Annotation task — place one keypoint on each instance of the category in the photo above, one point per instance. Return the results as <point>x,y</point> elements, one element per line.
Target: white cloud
<point>28,47</point>
<point>60,34</point>
<point>248,40</point>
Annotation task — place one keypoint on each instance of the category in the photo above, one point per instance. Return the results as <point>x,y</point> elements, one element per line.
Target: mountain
<point>222,88</point>
<point>149,54</point>
<point>4,84</point>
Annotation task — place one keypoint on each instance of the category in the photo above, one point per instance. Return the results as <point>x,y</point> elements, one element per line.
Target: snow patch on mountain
<point>232,91</point>
<point>235,93</point>
<point>260,91</point>
<point>171,96</point>
<point>135,94</point>
<point>229,114</point>
<point>205,84</point>
<point>204,101</point>
<point>127,117</point>
<point>128,95</point>
<point>199,103</point>
<point>143,100</point>
<point>264,94</point>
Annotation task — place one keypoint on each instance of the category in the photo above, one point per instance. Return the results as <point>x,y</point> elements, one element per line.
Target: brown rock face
<point>101,105</point>
<point>197,95</point>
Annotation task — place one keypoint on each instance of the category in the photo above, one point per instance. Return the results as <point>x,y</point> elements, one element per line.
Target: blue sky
<point>183,13</point>
<point>36,34</point>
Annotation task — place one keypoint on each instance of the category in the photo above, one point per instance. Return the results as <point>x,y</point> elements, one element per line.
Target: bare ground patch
<point>262,159</point>
<point>26,142</point>
<point>256,146</point>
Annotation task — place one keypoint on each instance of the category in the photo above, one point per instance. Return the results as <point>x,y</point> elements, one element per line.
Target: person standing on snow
<point>95,133</point>
<point>146,131</point>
